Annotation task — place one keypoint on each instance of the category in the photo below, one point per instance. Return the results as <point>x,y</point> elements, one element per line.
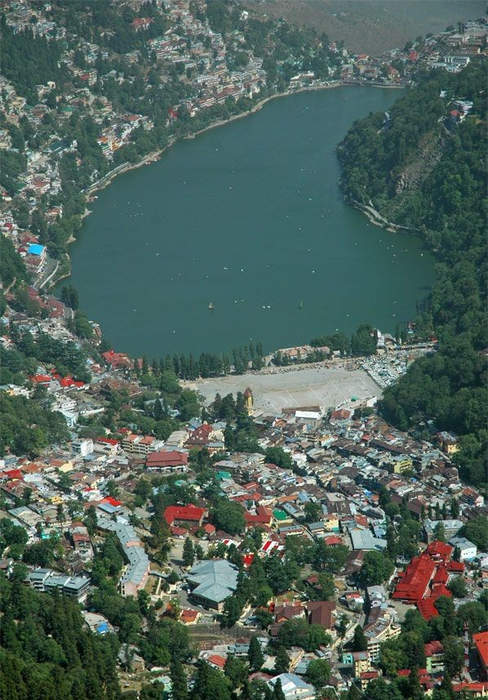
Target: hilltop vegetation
<point>47,653</point>
<point>448,207</point>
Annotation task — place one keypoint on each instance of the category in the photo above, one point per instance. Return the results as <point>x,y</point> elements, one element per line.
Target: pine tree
<point>178,680</point>
<point>278,693</point>
<point>188,553</point>
<point>282,660</point>
<point>158,410</point>
<point>359,642</point>
<point>255,655</point>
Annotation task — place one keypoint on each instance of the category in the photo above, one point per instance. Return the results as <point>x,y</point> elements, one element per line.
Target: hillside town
<point>219,543</point>
<point>213,75</point>
<point>355,526</point>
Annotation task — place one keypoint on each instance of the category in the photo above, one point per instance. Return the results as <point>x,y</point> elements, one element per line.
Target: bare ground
<point>312,386</point>
<point>372,26</point>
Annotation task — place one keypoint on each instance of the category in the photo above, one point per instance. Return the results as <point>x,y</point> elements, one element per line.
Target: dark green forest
<point>448,208</point>
<point>46,652</point>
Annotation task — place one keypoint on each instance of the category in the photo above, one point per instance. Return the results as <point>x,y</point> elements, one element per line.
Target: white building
<point>467,550</point>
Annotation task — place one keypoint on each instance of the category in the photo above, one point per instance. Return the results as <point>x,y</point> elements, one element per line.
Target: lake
<point>247,217</point>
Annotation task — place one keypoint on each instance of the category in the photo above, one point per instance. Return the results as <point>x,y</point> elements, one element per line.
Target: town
<point>309,543</point>
<point>245,526</point>
<point>216,70</point>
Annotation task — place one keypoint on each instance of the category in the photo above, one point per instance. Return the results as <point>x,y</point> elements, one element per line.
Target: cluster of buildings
<point>210,68</point>
<point>450,50</point>
<point>344,461</point>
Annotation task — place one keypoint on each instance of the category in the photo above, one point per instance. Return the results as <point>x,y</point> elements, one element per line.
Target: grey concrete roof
<point>215,579</point>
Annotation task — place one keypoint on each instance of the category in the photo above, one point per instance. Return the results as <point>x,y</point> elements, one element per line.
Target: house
<point>135,574</point>
<point>48,581</point>
<point>172,461</point>
<point>480,640</point>
<point>217,661</point>
<point>381,625</point>
<point>361,662</point>
<point>451,527</point>
<point>212,582</point>
<point>364,539</point>
<point>293,687</point>
<point>467,550</point>
<point>366,677</point>
<point>189,515</point>
<point>285,612</point>
<point>321,612</point>
<point>434,657</point>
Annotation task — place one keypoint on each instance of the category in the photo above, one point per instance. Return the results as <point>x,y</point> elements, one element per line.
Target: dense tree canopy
<point>446,203</point>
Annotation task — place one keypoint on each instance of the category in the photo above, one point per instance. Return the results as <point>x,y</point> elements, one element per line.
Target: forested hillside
<point>448,207</point>
<point>47,653</point>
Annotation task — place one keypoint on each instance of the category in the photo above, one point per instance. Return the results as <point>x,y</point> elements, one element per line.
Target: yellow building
<point>400,464</point>
<point>361,662</point>
<point>249,401</point>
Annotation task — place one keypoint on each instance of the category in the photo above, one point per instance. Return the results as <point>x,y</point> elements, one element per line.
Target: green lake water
<point>248,217</point>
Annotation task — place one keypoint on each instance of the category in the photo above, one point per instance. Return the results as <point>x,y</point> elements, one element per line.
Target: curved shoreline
<point>154,156</point>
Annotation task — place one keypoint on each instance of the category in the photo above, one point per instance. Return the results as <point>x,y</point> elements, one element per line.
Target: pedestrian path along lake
<point>247,218</point>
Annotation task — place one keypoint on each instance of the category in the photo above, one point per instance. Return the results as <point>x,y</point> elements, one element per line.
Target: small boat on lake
<point>211,306</point>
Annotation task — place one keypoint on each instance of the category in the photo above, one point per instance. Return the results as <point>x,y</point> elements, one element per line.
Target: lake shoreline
<point>245,168</point>
<point>154,156</point>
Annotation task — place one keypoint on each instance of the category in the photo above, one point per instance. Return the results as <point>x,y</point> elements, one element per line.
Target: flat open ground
<point>312,386</point>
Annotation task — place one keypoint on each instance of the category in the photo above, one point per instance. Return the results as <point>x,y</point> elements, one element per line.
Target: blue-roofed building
<point>36,249</point>
<point>293,687</point>
<point>212,582</point>
<point>134,575</point>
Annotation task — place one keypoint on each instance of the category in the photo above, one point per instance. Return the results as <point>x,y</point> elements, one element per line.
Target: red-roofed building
<point>413,583</point>
<point>441,576</point>
<point>480,640</point>
<point>172,461</point>
<point>262,516</point>
<point>455,567</point>
<point>333,540</point>
<point>117,360</point>
<point>112,501</point>
<point>439,551</point>
<point>476,689</point>
<point>177,515</point>
<point>217,661</point>
<point>434,657</point>
<point>340,416</point>
<point>14,474</point>
<point>366,677</point>
<point>424,678</point>
<point>188,616</point>
<point>41,379</point>
<point>247,559</point>
<point>141,23</point>
<point>424,580</point>
<point>200,436</point>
